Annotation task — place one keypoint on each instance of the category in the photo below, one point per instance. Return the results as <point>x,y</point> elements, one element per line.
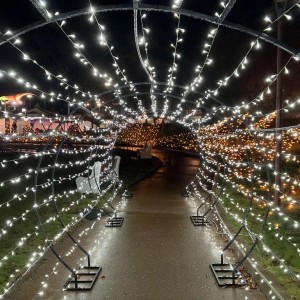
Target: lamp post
<point>280,6</point>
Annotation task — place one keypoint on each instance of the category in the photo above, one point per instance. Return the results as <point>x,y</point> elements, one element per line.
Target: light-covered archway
<point>95,78</point>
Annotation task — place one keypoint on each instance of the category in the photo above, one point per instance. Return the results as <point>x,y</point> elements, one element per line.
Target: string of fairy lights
<point>276,211</point>
<point>108,82</point>
<point>141,40</point>
<point>208,45</point>
<point>206,169</point>
<point>206,51</point>
<point>245,138</point>
<point>242,65</point>
<point>244,62</point>
<point>52,219</point>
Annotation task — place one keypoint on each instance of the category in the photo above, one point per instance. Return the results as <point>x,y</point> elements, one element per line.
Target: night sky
<point>54,52</point>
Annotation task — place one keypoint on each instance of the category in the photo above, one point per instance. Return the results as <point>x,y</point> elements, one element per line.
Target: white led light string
<point>41,170</point>
<point>284,69</point>
<point>242,66</point>
<point>86,210</point>
<point>85,61</point>
<point>256,100</point>
<point>257,198</point>
<point>144,64</point>
<point>229,136</point>
<point>286,268</point>
<point>49,75</point>
<point>43,185</point>
<point>63,81</point>
<point>103,42</point>
<point>143,41</point>
<point>50,94</point>
<point>49,153</point>
<point>149,69</point>
<point>174,68</point>
<point>75,221</point>
<point>282,264</point>
<point>51,219</point>
<point>258,218</point>
<point>67,253</point>
<point>207,61</point>
<point>25,156</point>
<point>285,14</point>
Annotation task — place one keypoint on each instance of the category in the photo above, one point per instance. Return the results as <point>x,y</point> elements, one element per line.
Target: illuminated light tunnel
<point>98,73</point>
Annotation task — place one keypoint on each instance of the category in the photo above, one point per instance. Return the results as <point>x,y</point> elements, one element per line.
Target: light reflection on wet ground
<point>179,162</point>
<point>176,172</point>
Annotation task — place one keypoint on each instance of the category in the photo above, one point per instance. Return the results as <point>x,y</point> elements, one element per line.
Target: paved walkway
<point>156,254</point>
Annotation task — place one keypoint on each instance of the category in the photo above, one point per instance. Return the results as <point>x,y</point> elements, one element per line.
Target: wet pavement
<point>156,254</point>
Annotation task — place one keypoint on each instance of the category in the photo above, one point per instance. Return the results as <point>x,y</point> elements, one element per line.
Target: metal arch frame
<point>157,94</point>
<point>230,25</point>
<point>75,274</point>
<point>147,93</point>
<point>226,11</point>
<point>158,83</point>
<point>144,93</point>
<point>152,93</point>
<point>215,267</point>
<point>149,109</point>
<point>135,23</point>
<point>251,32</point>
<point>158,8</point>
<point>136,6</point>
<point>41,9</point>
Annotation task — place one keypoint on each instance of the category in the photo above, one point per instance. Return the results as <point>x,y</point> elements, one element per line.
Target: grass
<point>69,204</point>
<point>235,204</point>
